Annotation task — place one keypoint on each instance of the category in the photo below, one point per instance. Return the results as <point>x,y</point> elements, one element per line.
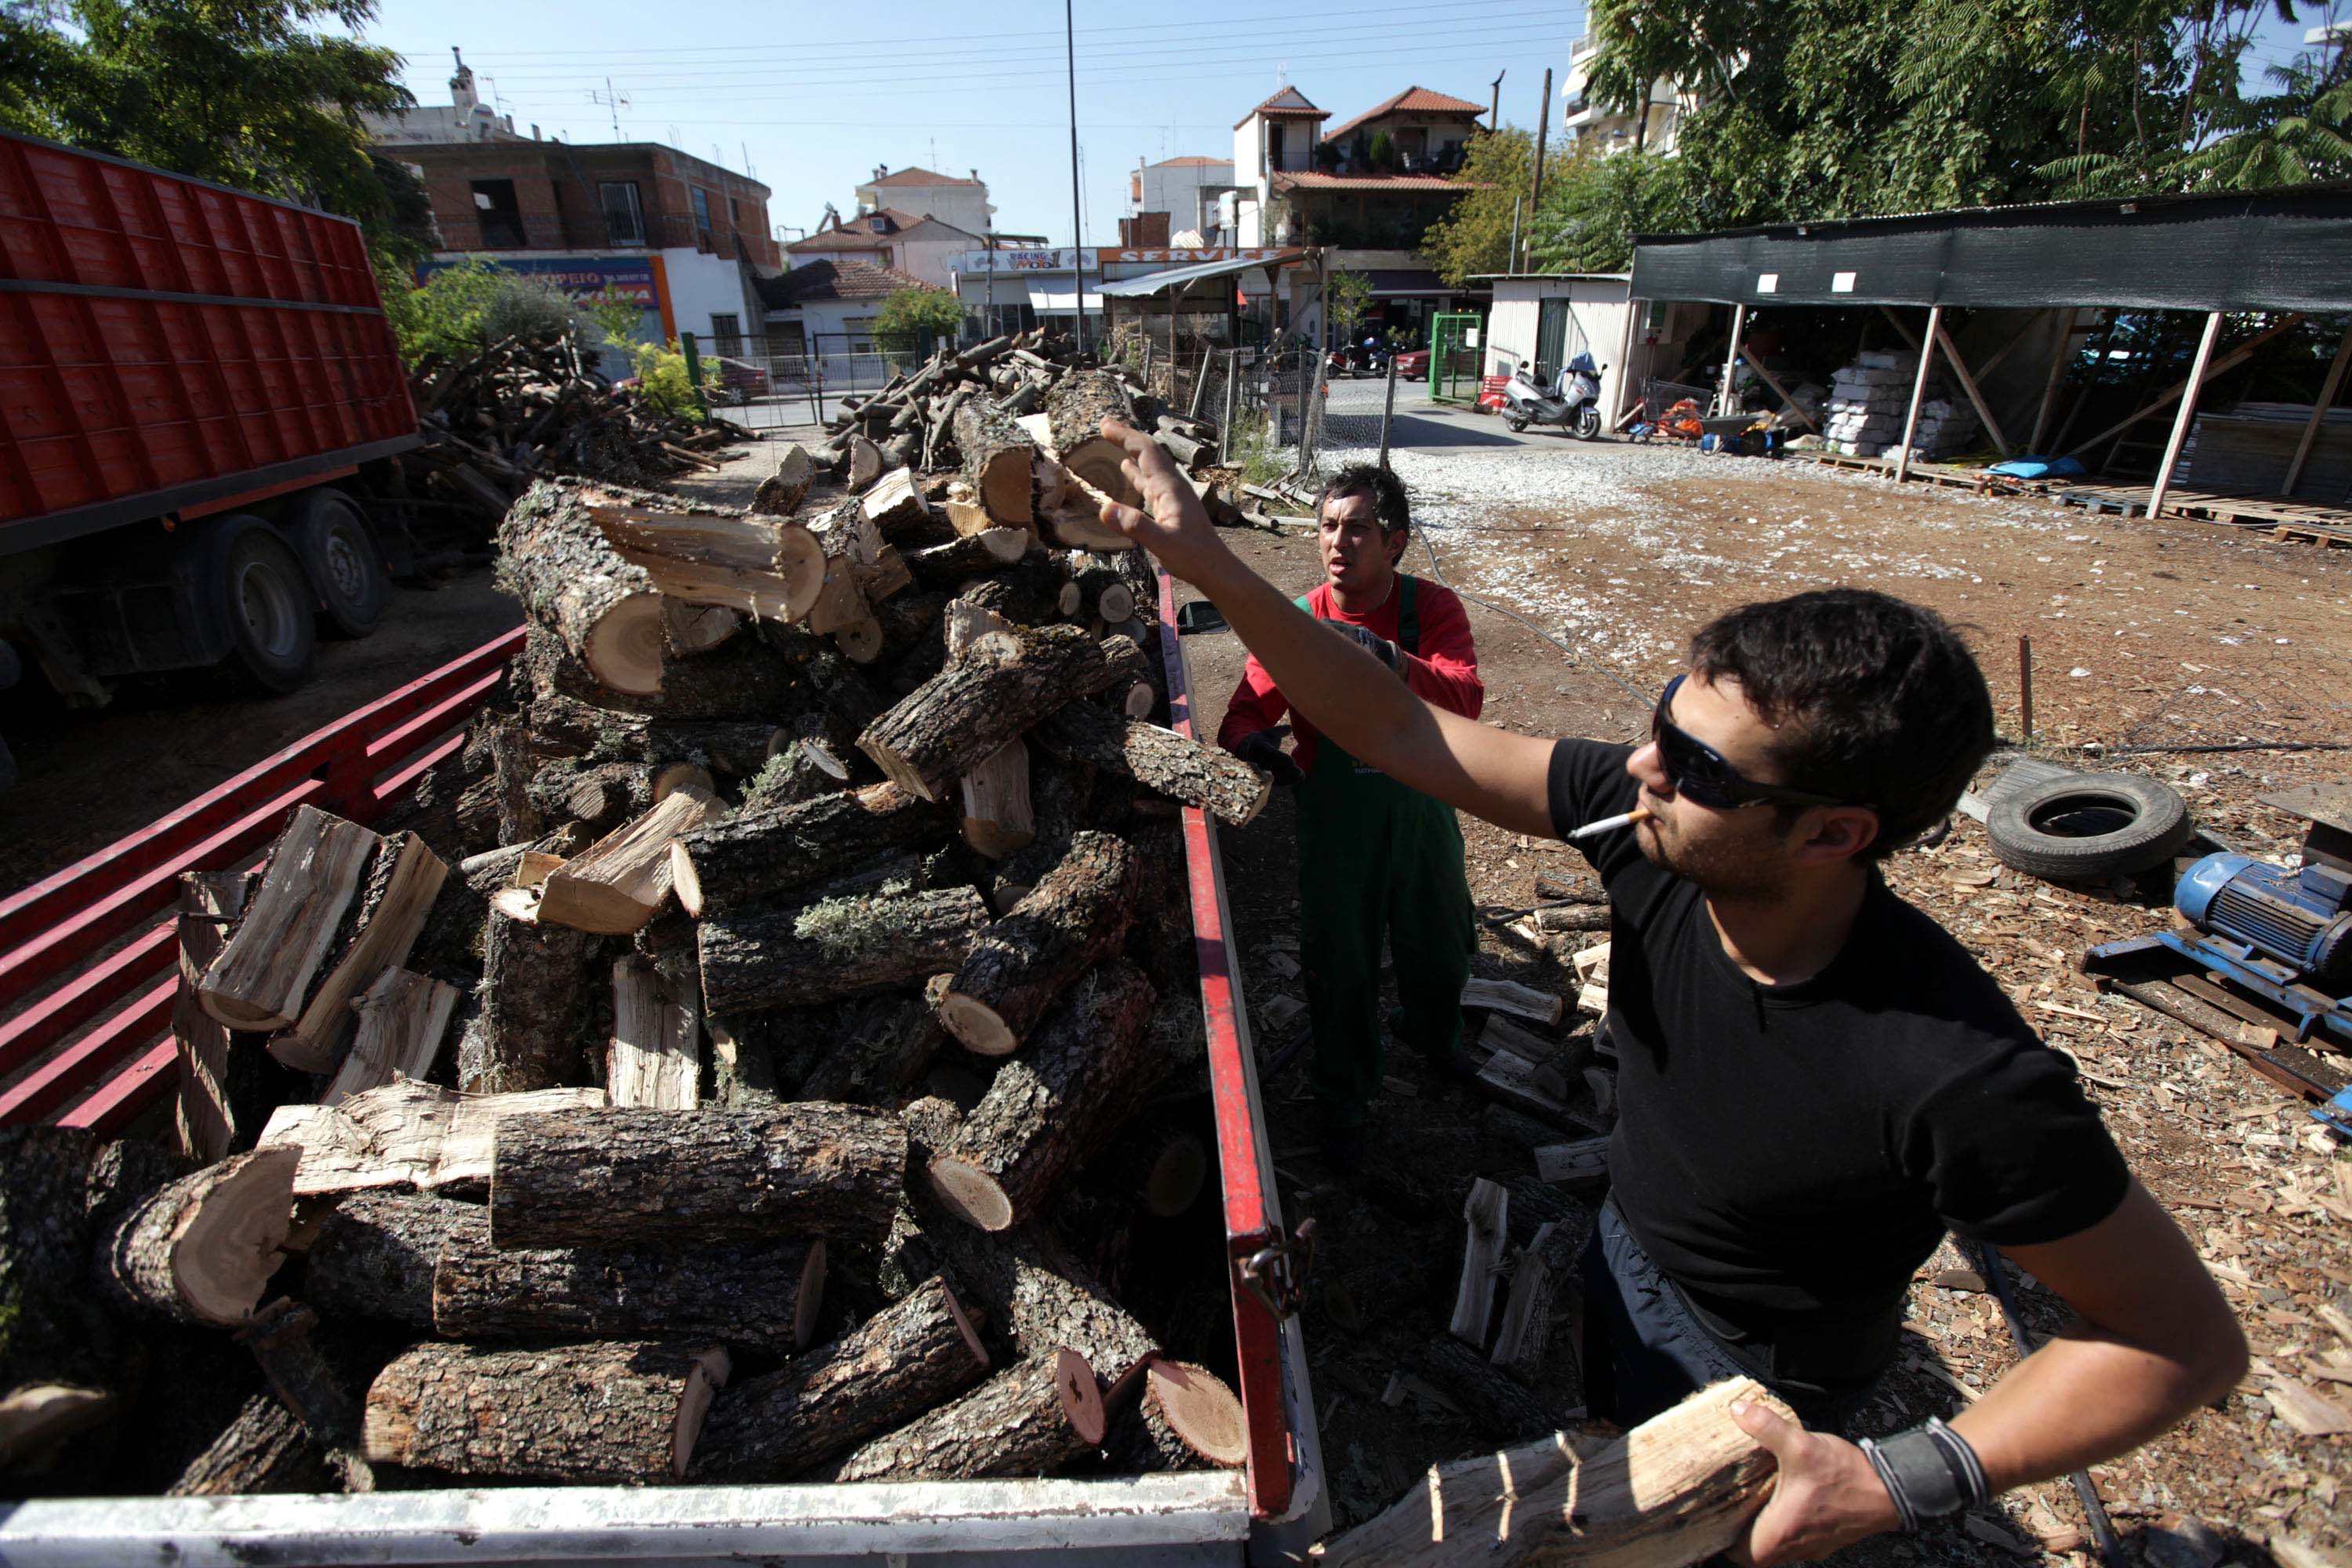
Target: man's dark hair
<point>1390,506</point>
<point>1875,702</point>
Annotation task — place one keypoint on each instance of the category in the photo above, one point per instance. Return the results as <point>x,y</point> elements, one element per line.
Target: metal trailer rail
<point>1267,1513</point>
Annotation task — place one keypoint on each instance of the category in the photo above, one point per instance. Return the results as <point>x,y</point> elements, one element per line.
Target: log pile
<point>687,1084</point>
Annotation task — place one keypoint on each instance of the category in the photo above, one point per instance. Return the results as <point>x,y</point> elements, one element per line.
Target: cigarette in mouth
<point>1610,824</point>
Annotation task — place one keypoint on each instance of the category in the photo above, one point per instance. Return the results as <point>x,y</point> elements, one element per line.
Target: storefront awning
<point>1178,277</point>
<point>1048,299</point>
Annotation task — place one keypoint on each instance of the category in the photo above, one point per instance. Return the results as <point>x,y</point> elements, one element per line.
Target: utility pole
<point>1543,134</point>
<point>1494,103</point>
<point>1078,234</point>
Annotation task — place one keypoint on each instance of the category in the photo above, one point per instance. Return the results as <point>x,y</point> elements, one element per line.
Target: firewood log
<point>1186,1419</point>
<point>201,1250</point>
<point>607,1177</point>
<point>743,681</point>
<point>1002,687</point>
<point>1102,594</point>
<point>600,794</point>
<point>996,818</point>
<point>760,566</point>
<point>754,856</point>
<point>378,928</point>
<point>54,1203</point>
<point>1030,1419</point>
<point>602,609</point>
<point>865,463</point>
<point>1040,1294</point>
<point>1545,1268</point>
<point>653,1060</point>
<point>784,955</point>
<point>1074,917</point>
<point>264,1451</point>
<point>996,457</point>
<point>782,492</point>
<point>265,970</point>
<point>973,555</point>
<point>1676,1489</point>
<point>625,1412</point>
<point>1070,510</point>
<point>228,1087</point>
<point>1485,1217</point>
<point>533,1023</point>
<point>1160,760</point>
<point>281,1337</point>
<point>894,503</point>
<point>1077,405</point>
<point>888,1044</point>
<point>905,1360</point>
<point>374,1256</point>
<point>732,749</point>
<point>688,629</point>
<point>413,1134</point>
<point>621,881</point>
<point>403,1021</point>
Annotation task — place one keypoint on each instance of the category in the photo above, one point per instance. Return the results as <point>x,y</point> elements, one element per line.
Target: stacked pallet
<point>1870,398</point>
<point>736,1066</point>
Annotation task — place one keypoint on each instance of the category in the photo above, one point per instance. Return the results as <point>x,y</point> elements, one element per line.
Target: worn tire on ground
<point>2089,827</point>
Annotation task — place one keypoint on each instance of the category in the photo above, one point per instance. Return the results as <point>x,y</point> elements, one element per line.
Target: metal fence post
<point>1388,412</point>
<point>1233,388</point>
<point>694,371</point>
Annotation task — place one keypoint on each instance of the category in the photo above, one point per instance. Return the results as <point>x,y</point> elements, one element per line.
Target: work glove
<point>1371,642</point>
<point>1263,751</point>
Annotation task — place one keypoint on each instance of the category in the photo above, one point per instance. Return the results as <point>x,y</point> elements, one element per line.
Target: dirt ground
<point>2142,633</point>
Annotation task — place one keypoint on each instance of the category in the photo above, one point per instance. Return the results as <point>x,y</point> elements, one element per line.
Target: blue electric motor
<point>2302,919</point>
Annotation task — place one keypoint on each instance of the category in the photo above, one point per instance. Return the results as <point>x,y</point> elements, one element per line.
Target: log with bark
<point>624,1412</point>
<point>1494,1401</point>
<point>1076,406</point>
<point>757,565</point>
<point>654,1058</point>
<point>1545,1267</point>
<point>1160,760</point>
<point>895,504</point>
<point>799,953</point>
<point>402,1019</point>
<point>533,1023</point>
<point>743,682</point>
<point>782,492</point>
<point>755,855</point>
<point>905,1360</point>
<point>264,1451</point>
<point>1030,1419</point>
<point>599,793</point>
<point>731,748</point>
<point>1074,917</point>
<point>603,609</point>
<point>374,1256</point>
<point>265,970</point>
<point>404,1134</point>
<point>886,1043</point>
<point>1186,1418</point>
<point>951,566</point>
<point>1003,687</point>
<point>1038,1293</point>
<point>202,1249</point>
<point>996,458</point>
<point>626,1177</point>
<point>281,1337</point>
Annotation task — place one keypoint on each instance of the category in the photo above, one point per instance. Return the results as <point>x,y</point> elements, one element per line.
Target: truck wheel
<point>339,554</point>
<point>266,601</point>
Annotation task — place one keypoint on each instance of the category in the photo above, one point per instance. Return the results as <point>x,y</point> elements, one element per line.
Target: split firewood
<point>895,504</point>
<point>1076,406</point>
<point>201,1250</point>
<point>1185,1418</point>
<point>782,492</point>
<point>622,879</point>
<point>1674,1491</point>
<point>222,1099</point>
<point>996,818</point>
<point>1525,1085</point>
<point>865,463</point>
<point>1582,1165</point>
<point>653,1060</point>
<point>40,1415</point>
<point>1070,510</point>
<point>1507,996</point>
<point>1074,917</point>
<point>264,1451</point>
<point>404,1134</point>
<point>402,1019</point>
<point>1487,1213</point>
<point>760,566</point>
<point>1544,1270</point>
<point>264,973</point>
<point>1030,1419</point>
<point>793,954</point>
<point>602,608</point>
<point>754,856</point>
<point>996,458</point>
<point>1003,687</point>
<point>607,1177</point>
<point>531,1030</point>
<point>903,1360</point>
<point>888,1044</point>
<point>627,1412</point>
<point>377,929</point>
<point>1160,760</point>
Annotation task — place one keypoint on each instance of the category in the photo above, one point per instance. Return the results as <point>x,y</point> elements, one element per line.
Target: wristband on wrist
<point>1929,1472</point>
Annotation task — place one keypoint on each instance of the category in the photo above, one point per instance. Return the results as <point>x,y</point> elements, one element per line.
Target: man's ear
<point>1396,541</point>
<point>1838,832</point>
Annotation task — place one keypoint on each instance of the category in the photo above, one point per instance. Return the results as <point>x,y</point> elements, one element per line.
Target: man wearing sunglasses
<point>1815,1080</point>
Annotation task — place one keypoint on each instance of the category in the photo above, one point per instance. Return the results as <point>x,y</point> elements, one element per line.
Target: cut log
<point>403,1020</point>
<point>627,1412</point>
<point>1579,1166</point>
<point>1083,1075</point>
<point>1077,405</point>
<point>888,1044</point>
<point>598,794</point>
<point>1002,687</point>
<point>265,970</point>
<point>603,609</point>
<point>743,682</point>
<point>735,749</point>
<point>688,629</point>
<point>1070,510</point>
<point>751,856</point>
<point>895,504</point>
<point>584,1178</point>
<point>201,1250</point>
<point>950,566</point>
<point>965,623</point>
<point>903,1360</point>
<point>1038,1293</point>
<point>1516,1081</point>
<point>281,1337</point>
<point>1487,1213</point>
<point>1521,1001</point>
<point>536,989</point>
<point>965,515</point>
<point>865,463</point>
<point>1074,917</point>
<point>1104,596</point>
<point>222,1099</point>
<point>1160,760</point>
<point>404,1134</point>
<point>1674,1491</point>
<point>996,818</point>
<point>931,1124</point>
<point>764,1295</point>
<point>1493,1401</point>
<point>653,1060</point>
<point>782,492</point>
<point>996,458</point>
<point>1547,1267</point>
<point>374,1256</point>
<point>781,957</point>
<point>760,566</point>
<point>622,879</point>
<point>264,1451</point>
<point>1186,1417</point>
<point>1030,1419</point>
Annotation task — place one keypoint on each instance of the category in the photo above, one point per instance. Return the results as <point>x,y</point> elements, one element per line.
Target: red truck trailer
<point>199,399</point>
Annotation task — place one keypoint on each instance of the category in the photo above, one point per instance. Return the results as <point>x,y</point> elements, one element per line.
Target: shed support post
<point>1975,397</point>
<point>2328,390</point>
<point>1731,359</point>
<point>2058,363</point>
<point>1617,400</point>
<point>2187,415</point>
<point>1919,387</point>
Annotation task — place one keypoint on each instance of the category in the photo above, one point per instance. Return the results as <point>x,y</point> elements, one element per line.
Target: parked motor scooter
<point>1572,402</point>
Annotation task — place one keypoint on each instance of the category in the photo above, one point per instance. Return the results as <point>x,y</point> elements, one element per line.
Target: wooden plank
<point>1487,1214</point>
<point>1507,996</point>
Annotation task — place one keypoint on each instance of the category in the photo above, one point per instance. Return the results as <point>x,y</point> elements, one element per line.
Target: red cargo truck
<point>200,398</point>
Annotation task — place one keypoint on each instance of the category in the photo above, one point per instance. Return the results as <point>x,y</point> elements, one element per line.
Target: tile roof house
<point>889,237</point>
<point>925,193</point>
<point>1373,182</point>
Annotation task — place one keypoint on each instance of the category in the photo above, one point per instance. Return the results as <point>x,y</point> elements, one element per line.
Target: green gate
<point>1454,357</point>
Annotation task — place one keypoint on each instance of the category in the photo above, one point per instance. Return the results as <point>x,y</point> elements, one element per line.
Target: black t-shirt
<point>1790,1155</point>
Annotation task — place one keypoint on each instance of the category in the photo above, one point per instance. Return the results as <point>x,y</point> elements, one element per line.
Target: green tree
<point>1475,235</point>
<point>1348,299</point>
<point>900,325</point>
<point>1593,205</point>
<point>244,93</point>
<point>1382,153</point>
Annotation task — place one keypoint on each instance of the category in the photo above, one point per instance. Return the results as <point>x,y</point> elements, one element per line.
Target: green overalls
<point>1374,856</point>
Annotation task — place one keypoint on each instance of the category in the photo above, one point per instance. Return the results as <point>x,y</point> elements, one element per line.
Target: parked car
<point>739,381</point>
<point>1412,365</point>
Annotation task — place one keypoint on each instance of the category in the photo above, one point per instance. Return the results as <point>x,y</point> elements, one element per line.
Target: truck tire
<point>2088,826</point>
<point>265,599</point>
<point>338,554</point>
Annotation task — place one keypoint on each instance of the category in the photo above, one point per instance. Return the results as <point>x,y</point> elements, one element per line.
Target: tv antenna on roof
<point>615,101</point>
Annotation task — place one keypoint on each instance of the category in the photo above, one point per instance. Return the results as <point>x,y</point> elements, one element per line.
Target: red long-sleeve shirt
<point>1445,671</point>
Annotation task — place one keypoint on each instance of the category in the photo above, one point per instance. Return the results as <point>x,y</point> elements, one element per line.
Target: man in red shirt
<point>1374,858</point>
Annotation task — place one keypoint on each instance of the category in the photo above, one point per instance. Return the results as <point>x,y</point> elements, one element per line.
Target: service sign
<point>627,278</point>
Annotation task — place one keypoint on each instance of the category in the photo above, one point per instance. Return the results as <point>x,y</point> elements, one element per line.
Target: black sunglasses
<point>1700,771</point>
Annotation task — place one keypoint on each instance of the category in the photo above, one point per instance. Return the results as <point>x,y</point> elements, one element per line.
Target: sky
<point>809,98</point>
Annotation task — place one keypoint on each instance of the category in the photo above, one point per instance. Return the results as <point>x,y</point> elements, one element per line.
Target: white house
<point>960,204</point>
<point>920,247</point>
<point>1657,130</point>
<point>1187,190</point>
<point>1552,316</point>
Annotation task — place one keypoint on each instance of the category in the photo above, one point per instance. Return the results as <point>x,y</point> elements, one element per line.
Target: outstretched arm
<point>1331,682</point>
